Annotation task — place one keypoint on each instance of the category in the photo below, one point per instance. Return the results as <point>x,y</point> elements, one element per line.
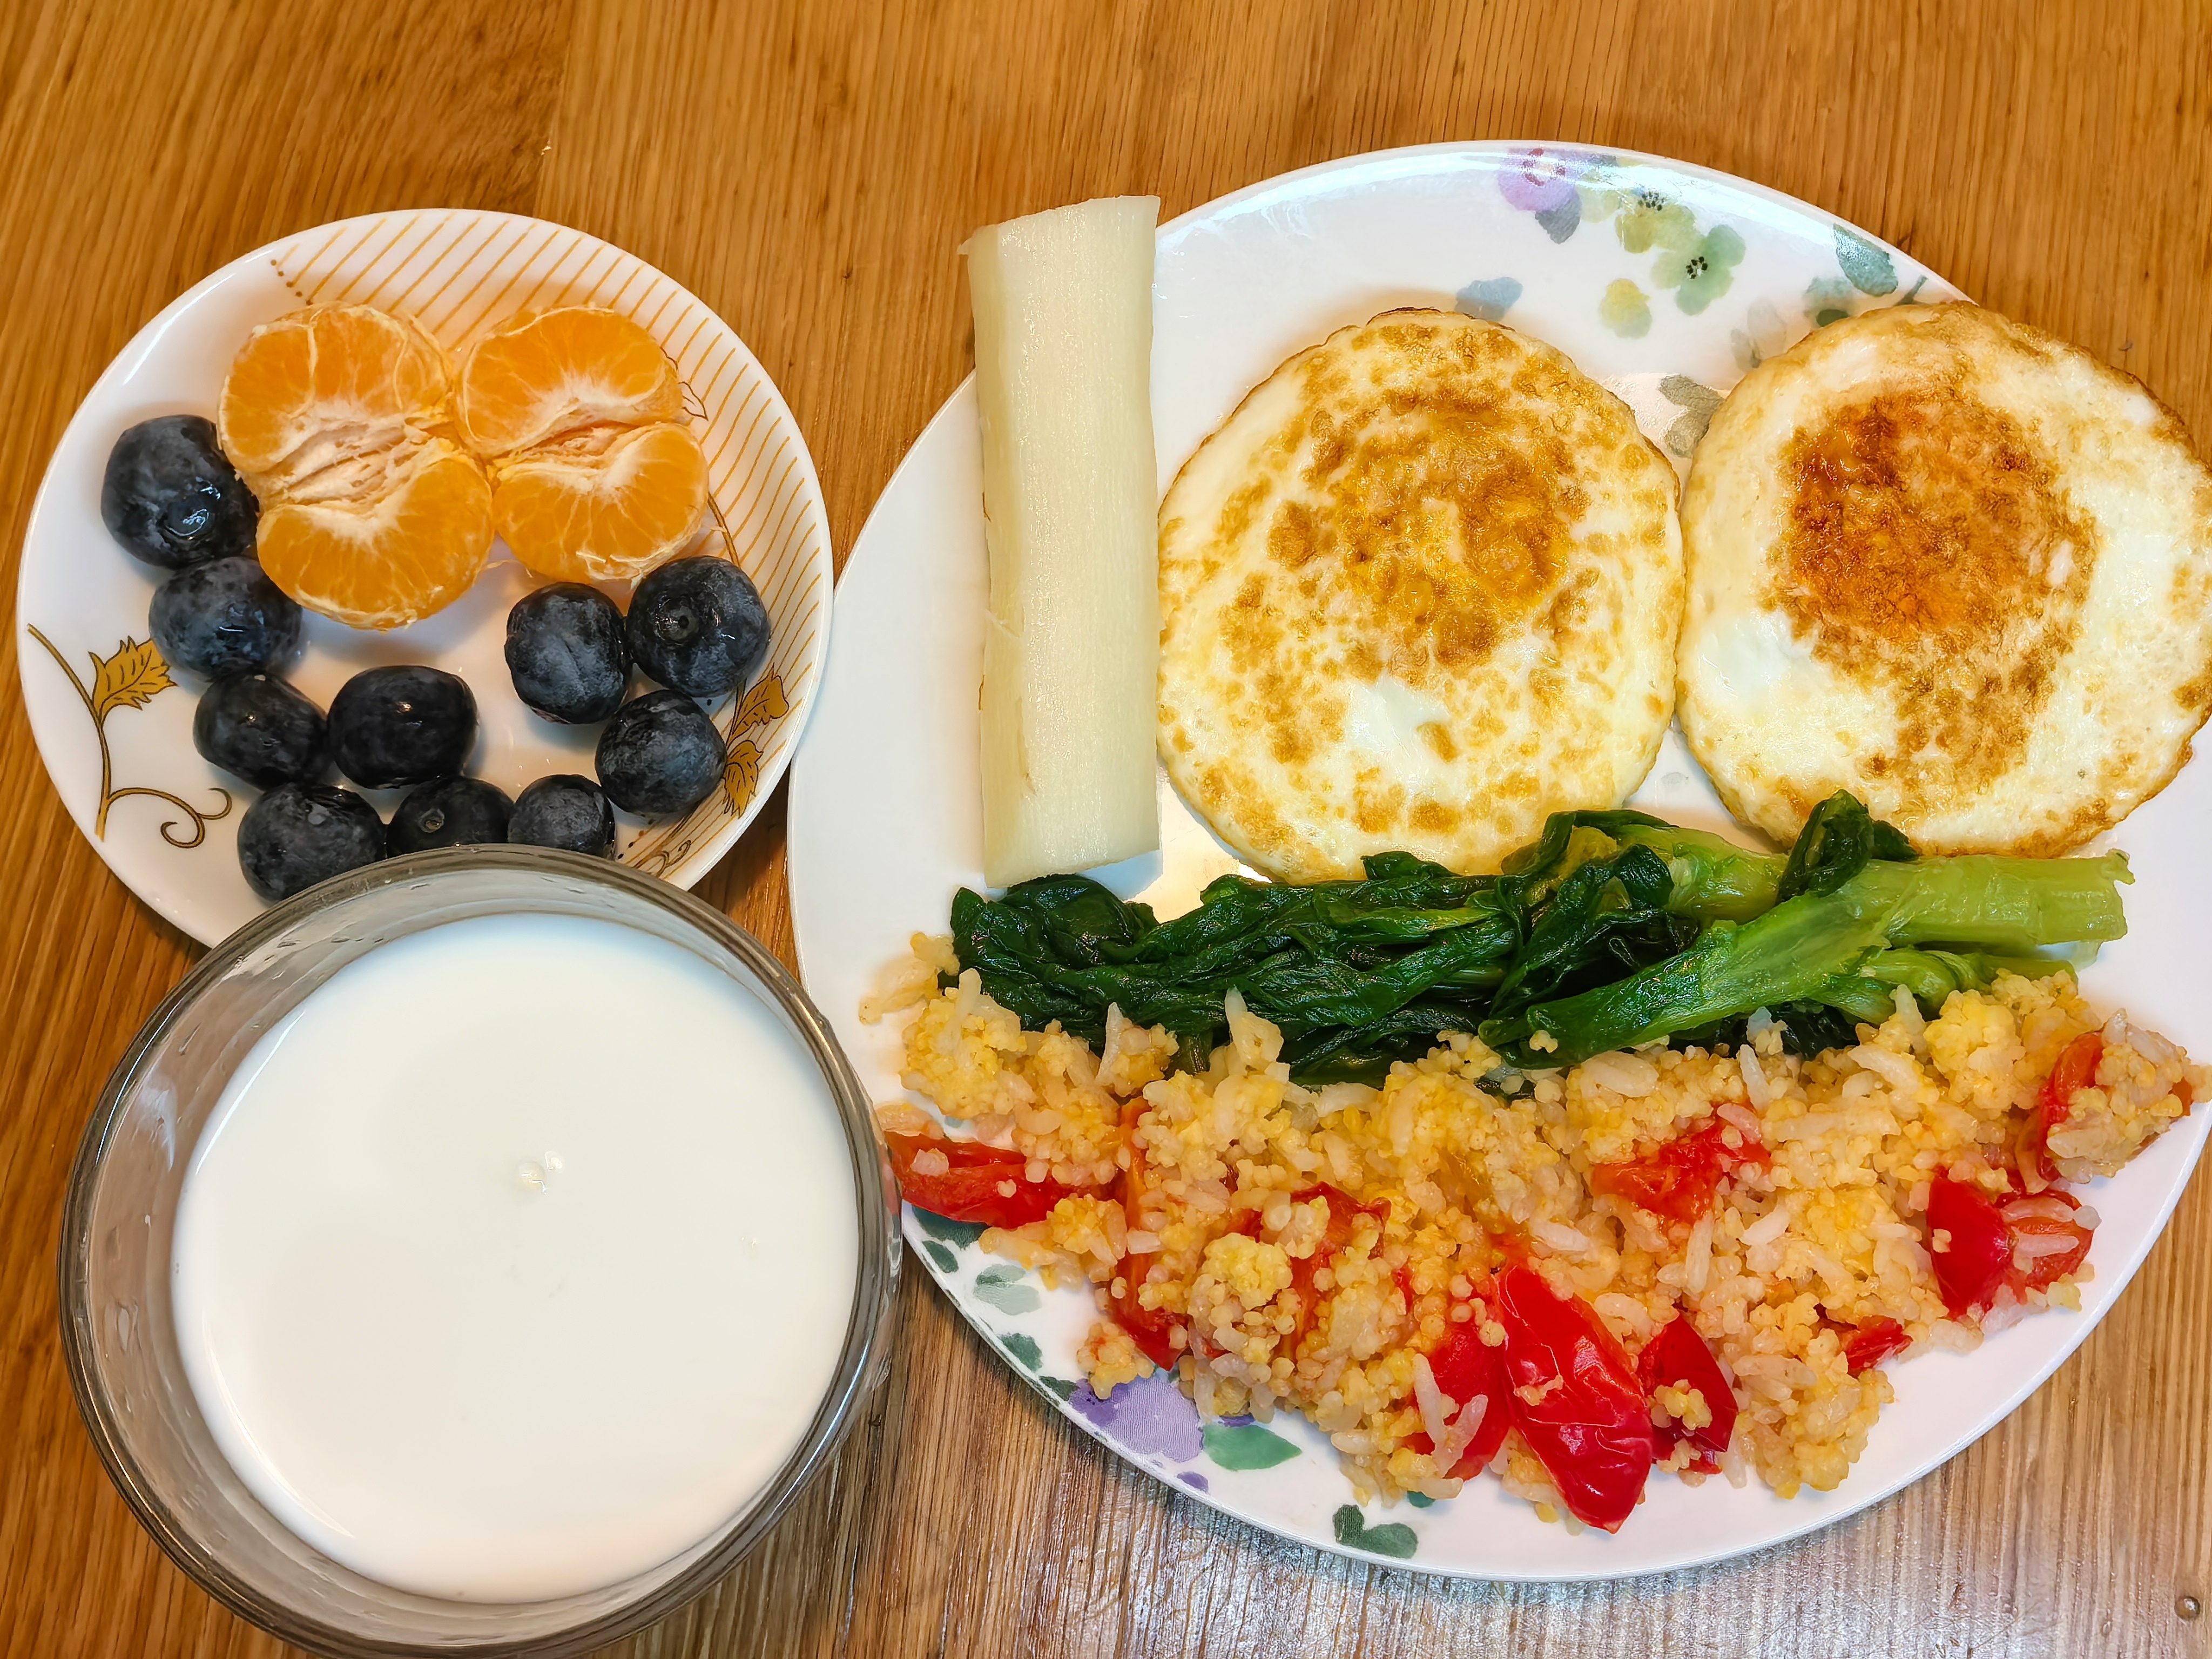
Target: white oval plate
<point>115,730</point>
<point>885,815</point>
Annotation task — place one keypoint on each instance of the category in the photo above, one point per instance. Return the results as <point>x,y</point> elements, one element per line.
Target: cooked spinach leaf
<point>1611,929</point>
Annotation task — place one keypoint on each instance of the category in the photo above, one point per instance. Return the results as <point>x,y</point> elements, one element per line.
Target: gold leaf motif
<point>129,679</point>
<point>763,704</point>
<point>741,775</point>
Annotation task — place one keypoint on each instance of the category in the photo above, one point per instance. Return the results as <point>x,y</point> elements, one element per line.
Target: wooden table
<point>809,170</point>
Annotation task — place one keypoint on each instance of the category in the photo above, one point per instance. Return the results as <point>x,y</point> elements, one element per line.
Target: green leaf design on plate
<point>1023,1348</point>
<point>1246,1446</point>
<point>1869,268</point>
<point>959,1234</point>
<point>1002,1289</point>
<point>1352,1532</point>
<point>1059,1385</point>
<point>1829,299</point>
<point>1491,299</point>
<point>1397,1539</point>
<point>1698,402</point>
<point>947,1261</point>
<point>1419,1500</point>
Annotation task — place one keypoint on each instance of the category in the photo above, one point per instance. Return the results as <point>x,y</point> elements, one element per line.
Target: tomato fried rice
<point>1356,1255</point>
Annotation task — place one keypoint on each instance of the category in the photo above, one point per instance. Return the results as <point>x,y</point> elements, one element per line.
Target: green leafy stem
<point>1612,930</point>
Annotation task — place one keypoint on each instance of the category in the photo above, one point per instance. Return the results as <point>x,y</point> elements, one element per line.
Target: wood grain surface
<point>809,170</point>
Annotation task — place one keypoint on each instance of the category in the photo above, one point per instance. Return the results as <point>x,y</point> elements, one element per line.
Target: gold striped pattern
<point>458,273</point>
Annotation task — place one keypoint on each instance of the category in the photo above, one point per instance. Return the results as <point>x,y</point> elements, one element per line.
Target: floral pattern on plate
<point>1533,236</point>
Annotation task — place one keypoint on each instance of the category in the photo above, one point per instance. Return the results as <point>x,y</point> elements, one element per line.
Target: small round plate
<point>113,724</point>
<point>1571,247</point>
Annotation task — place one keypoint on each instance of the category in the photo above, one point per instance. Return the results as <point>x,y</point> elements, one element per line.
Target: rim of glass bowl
<point>861,1361</point>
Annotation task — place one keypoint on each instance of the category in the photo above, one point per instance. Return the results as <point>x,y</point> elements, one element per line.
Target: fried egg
<point>1956,566</point>
<point>1421,589</point>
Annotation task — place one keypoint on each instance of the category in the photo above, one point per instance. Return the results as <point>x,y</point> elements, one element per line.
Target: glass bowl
<point>118,1333</point>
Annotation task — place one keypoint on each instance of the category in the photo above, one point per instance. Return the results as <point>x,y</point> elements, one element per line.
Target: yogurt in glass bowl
<point>476,1254</point>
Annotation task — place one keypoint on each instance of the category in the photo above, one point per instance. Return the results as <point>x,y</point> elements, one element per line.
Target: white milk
<point>517,1258</point>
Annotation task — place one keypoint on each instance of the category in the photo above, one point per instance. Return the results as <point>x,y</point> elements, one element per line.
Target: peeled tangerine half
<point>390,555</point>
<point>602,507</point>
<point>324,386</point>
<point>542,373</point>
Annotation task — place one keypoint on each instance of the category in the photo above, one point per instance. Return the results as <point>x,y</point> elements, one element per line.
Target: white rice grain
<point>2046,1209</point>
<point>1697,1262</point>
<point>1562,1240</point>
<point>1756,1089</point>
<point>1629,1075</point>
<point>1435,1405</point>
<point>1770,1227</point>
<point>1895,1070</point>
<point>1626,1311</point>
<point>1909,1018</point>
<point>1728,1112</point>
<point>1461,1436</point>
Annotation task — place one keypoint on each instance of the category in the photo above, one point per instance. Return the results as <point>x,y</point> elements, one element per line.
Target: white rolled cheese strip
<point>1070,659</point>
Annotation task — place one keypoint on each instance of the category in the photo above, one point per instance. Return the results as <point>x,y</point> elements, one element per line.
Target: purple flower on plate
<point>1541,180</point>
<point>1147,1415</point>
<point>1195,1482</point>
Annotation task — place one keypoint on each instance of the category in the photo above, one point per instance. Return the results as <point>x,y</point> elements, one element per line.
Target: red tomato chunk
<point>1467,1368</point>
<point>1152,1329</point>
<point>1972,1257</point>
<point>2045,1246</point>
<point>987,1184</point>
<point>2027,1243</point>
<point>2074,1069</point>
<point>1868,1344</point>
<point>1588,1424</point>
<point>1678,1181</point>
<point>1679,1357</point>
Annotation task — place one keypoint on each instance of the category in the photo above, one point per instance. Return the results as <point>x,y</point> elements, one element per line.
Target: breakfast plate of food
<point>421,529</point>
<point>1506,833</point>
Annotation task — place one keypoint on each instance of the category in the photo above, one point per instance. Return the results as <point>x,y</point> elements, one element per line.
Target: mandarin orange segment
<point>587,512</point>
<point>539,375</point>
<point>391,556</point>
<point>324,385</point>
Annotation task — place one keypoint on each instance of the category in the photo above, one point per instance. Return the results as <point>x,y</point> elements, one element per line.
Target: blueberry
<point>566,651</point>
<point>449,812</point>
<point>566,812</point>
<point>295,835</point>
<point>406,724</point>
<point>698,625</point>
<point>171,497</point>
<point>223,615</point>
<point>660,754</point>
<point>260,728</point>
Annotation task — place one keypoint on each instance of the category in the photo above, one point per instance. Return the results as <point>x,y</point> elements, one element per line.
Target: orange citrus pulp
<point>540,374</point>
<point>596,478</point>
<point>391,557</point>
<point>323,384</point>
<point>337,418</point>
<point>603,509</point>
